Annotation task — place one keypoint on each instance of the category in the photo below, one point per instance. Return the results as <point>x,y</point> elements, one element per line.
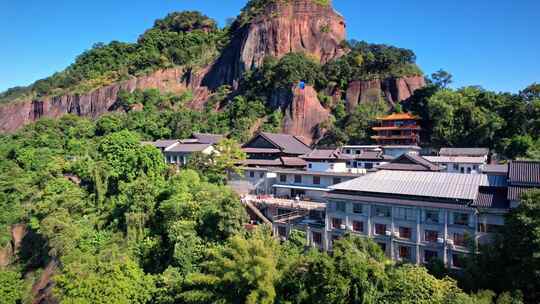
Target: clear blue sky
<point>492,43</point>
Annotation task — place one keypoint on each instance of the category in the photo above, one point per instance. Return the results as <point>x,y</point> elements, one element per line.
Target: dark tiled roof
<point>188,148</point>
<point>293,162</point>
<point>289,144</point>
<point>410,162</point>
<point>164,143</point>
<point>524,173</point>
<point>326,154</point>
<point>464,151</point>
<point>262,162</point>
<point>492,198</point>
<point>398,201</point>
<point>205,138</point>
<point>515,193</point>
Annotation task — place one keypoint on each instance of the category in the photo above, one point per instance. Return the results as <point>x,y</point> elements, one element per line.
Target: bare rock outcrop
<point>8,254</point>
<point>99,101</point>
<point>304,114</point>
<point>393,90</point>
<point>284,27</point>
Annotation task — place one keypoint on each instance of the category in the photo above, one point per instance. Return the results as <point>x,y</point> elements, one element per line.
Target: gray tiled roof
<point>373,155</point>
<point>464,152</point>
<point>188,148</point>
<point>206,138</point>
<point>410,162</point>
<point>426,184</point>
<point>326,154</point>
<point>515,193</point>
<point>288,143</point>
<point>456,159</point>
<point>524,172</point>
<point>164,143</point>
<point>495,169</point>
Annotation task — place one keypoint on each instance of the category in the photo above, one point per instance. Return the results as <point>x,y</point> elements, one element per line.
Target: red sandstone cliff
<point>393,90</point>
<point>97,102</point>
<point>304,114</point>
<point>284,27</point>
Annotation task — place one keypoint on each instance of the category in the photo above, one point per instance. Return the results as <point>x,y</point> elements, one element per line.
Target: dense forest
<point>109,222</point>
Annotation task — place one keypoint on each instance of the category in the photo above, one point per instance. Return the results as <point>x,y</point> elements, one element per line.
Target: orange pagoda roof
<point>400,116</point>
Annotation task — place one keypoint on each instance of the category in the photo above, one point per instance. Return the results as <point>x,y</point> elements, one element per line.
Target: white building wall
<point>416,221</point>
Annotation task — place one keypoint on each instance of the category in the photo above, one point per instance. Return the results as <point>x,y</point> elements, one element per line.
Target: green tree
<point>244,271</point>
<point>11,287</point>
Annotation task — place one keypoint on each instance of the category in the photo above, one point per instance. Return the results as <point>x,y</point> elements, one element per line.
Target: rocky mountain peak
<point>276,29</point>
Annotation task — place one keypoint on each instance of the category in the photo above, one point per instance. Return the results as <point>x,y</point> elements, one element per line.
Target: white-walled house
<point>459,164</point>
<point>178,151</point>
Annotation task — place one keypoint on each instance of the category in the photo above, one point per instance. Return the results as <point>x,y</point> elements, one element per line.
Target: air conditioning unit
<point>440,240</point>
<point>342,227</point>
<point>396,234</point>
<point>388,233</point>
<point>350,228</point>
<point>450,242</point>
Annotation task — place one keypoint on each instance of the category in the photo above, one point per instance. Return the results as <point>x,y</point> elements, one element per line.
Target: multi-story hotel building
<point>418,216</point>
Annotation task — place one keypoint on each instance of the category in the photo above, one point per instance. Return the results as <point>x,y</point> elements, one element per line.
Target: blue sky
<point>491,43</point>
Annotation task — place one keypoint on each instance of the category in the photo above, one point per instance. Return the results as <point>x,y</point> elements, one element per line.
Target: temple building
<point>399,129</point>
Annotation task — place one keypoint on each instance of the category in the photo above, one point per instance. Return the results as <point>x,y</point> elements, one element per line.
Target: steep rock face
<point>9,253</point>
<point>304,114</point>
<point>393,90</point>
<point>284,27</point>
<point>99,101</point>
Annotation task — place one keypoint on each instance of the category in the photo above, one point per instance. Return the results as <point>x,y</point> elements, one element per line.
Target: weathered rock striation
<point>392,90</point>
<point>284,27</point>
<point>305,114</point>
<point>99,101</point>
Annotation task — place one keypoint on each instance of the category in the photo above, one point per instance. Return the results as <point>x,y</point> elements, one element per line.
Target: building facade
<point>417,216</point>
<point>398,129</point>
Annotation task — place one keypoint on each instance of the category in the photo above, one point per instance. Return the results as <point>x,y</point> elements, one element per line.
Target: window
<point>461,219</point>
<point>431,236</point>
<point>475,167</point>
<point>432,216</point>
<point>406,214</point>
<point>405,233</point>
<point>488,228</point>
<point>348,151</point>
<point>336,180</point>
<point>251,174</point>
<point>316,180</point>
<point>380,229</point>
<point>462,170</point>
<point>283,178</point>
<point>383,211</point>
<point>459,239</point>
<point>317,238</point>
<point>358,151</point>
<point>282,231</point>
<point>298,179</point>
<point>456,167</point>
<point>457,260</point>
<point>430,255</point>
<point>368,166</point>
<point>336,223</point>
<point>405,253</point>
<point>341,206</point>
<point>469,170</point>
<point>310,166</point>
<point>358,208</point>
<point>358,226</point>
<point>261,175</point>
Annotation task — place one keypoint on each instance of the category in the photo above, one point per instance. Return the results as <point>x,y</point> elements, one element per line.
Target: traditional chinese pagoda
<point>399,129</point>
